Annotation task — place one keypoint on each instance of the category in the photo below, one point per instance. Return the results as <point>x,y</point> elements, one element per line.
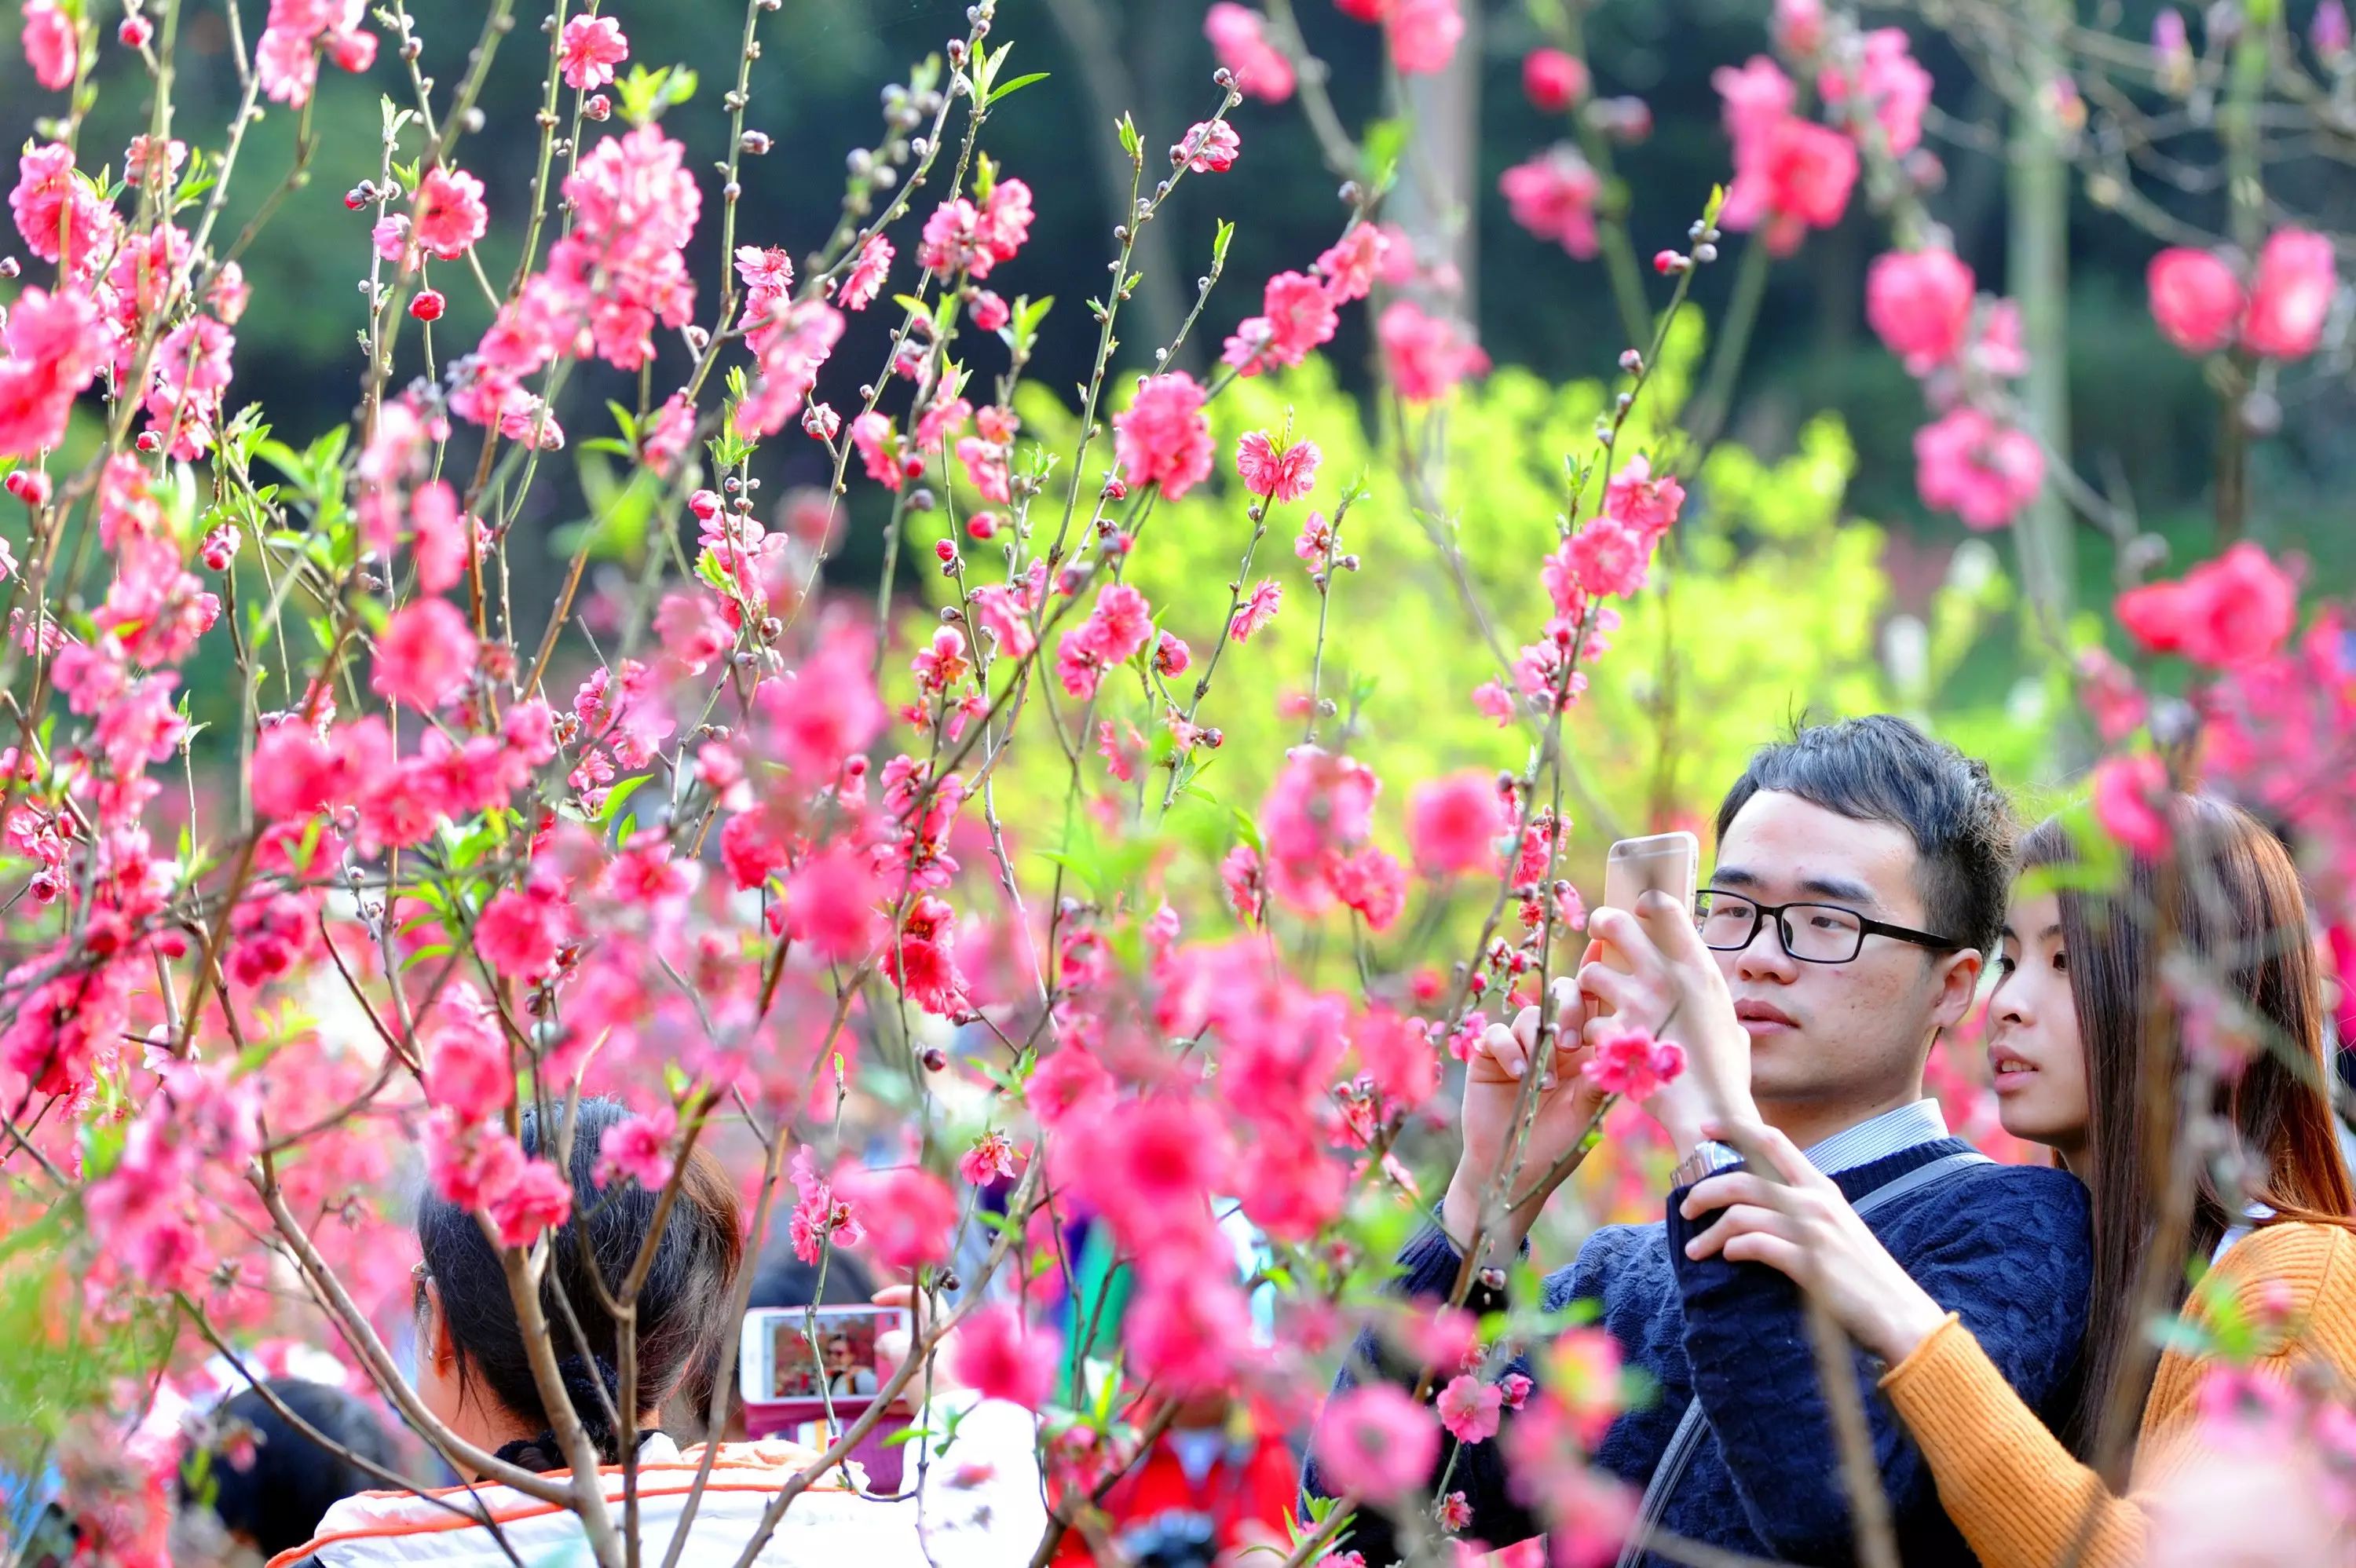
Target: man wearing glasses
<point>1861,876</point>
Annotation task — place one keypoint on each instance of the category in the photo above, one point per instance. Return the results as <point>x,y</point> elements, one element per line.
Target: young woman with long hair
<point>475,1374</point>
<point>2104,1002</point>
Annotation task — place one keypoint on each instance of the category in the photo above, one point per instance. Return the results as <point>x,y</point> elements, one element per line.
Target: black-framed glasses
<point>1811,933</point>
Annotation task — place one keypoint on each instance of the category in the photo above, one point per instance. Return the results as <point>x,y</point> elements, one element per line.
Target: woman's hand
<point>1806,1227</point>
<point>891,1348</point>
<point>1664,981</point>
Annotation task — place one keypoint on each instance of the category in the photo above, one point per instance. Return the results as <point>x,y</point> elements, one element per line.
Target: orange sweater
<point>2018,1495</point>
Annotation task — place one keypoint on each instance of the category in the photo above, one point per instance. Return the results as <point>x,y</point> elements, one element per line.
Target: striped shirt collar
<point>1892,1132</point>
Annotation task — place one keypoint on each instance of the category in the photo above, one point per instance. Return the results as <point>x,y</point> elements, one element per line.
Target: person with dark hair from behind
<point>1860,879</point>
<point>2074,1038</point>
<point>475,1375</point>
<point>264,1483</point>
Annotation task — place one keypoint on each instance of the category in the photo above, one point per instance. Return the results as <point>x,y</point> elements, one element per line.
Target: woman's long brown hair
<point>2232,901</point>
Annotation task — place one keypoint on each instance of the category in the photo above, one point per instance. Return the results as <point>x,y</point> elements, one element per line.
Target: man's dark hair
<point>1880,768</point>
<point>278,1500</point>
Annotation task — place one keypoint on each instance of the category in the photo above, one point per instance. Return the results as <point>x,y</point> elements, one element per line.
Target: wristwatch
<point>1707,1158</point>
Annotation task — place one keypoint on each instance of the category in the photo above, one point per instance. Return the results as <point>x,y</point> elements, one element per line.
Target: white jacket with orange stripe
<point>978,1507</point>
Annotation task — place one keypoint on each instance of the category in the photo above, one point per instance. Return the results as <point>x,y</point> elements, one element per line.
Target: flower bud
<point>427,306</point>
<point>134,32</point>
<point>31,486</point>
<point>598,107</point>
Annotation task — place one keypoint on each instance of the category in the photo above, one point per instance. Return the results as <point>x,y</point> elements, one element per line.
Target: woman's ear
<point>434,1342</point>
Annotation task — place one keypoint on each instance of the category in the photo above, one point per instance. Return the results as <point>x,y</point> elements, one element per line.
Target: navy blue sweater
<point>2005,1247</point>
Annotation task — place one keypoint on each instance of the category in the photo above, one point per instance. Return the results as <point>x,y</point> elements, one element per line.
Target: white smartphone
<point>801,1360</point>
<point>1664,862</point>
<point>1660,862</point>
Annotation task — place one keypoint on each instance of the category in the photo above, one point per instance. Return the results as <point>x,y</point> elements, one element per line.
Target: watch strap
<point>1708,1158</point>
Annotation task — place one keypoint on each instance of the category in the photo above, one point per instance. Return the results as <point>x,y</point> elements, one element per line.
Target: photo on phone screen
<point>834,1358</point>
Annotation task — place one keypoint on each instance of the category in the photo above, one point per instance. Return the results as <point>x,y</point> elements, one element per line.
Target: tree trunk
<point>1438,200</point>
<point>1095,43</point>
<point>2039,267</point>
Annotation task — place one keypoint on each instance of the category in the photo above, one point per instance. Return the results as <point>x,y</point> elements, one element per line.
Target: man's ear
<point>1957,976</point>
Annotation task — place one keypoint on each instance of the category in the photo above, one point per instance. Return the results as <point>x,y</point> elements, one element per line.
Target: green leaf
<point>1009,88</point>
<point>645,94</point>
<point>1386,141</point>
<point>620,795</point>
<point>1129,143</point>
<point>1219,242</point>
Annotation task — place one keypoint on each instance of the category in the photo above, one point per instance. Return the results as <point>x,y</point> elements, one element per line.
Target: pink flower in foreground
<point>1648,505</point>
<point>826,713</point>
<point>2290,296</point>
<point>1607,558</point>
<point>424,656</point>
<point>1425,355</point>
<point>1239,36</point>
<point>867,273</point>
<point>991,1158</point>
<point>1285,474</point>
<point>820,1220</point>
<point>1798,28</point>
<point>908,1213</point>
<point>52,45</point>
<point>521,928</point>
<point>999,1356</point>
<point>1469,1408</point>
<point>1119,625</point>
<point>467,1068</point>
<point>2195,298</point>
<point>1983,472</point>
<point>1454,823</point>
<point>591,48</point>
<point>2233,611</point>
<point>1351,263</point>
<point>2128,796</point>
<point>449,214</point>
<point>1423,35</point>
<point>1893,85</point>
<point>55,345</point>
<point>1210,147</point>
<point>2108,691</point>
<point>1297,316</point>
<point>1553,81</point>
<point>1256,611</point>
<point>1758,98</point>
<point>540,1198</point>
<point>1376,1442</point>
<point>1165,438</point>
<point>1553,195</point>
<point>62,219</point>
<point>639,1150</point>
<point>1632,1062</point>
<point>1792,177</point>
<point>831,904</point>
<point>1920,302</point>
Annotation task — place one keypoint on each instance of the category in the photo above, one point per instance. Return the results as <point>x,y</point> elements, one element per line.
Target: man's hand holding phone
<point>1663,980</point>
